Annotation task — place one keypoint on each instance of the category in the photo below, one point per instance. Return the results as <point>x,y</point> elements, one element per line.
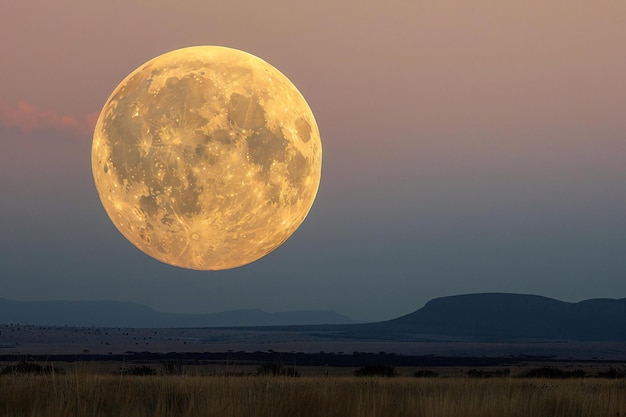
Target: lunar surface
<point>206,158</point>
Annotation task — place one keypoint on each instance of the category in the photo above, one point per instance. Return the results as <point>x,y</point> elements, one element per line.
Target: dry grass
<point>88,394</point>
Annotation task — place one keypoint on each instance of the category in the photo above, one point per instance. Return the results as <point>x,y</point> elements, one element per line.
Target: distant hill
<point>124,314</point>
<point>487,317</point>
<point>510,317</point>
<point>491,317</point>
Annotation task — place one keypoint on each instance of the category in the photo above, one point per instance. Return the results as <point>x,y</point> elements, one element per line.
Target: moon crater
<point>206,158</point>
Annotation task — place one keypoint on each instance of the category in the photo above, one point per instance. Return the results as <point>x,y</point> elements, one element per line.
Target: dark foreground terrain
<point>85,392</point>
<point>434,362</point>
<point>92,372</point>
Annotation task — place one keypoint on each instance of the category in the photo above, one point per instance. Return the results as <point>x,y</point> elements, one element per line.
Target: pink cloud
<point>27,118</point>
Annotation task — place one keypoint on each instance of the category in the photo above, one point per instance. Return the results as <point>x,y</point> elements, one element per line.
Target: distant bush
<point>426,374</point>
<point>376,370</point>
<point>234,374</point>
<point>480,373</point>
<point>142,370</point>
<point>276,369</point>
<point>613,373</point>
<point>551,372</point>
<point>172,368</point>
<point>29,368</point>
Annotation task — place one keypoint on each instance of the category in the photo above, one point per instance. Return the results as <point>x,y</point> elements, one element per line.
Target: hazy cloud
<point>27,118</point>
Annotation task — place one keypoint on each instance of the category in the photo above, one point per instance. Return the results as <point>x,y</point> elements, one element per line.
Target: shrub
<point>376,370</point>
<point>551,372</point>
<point>142,370</point>
<point>475,373</point>
<point>613,373</point>
<point>172,368</point>
<point>275,369</point>
<point>425,374</point>
<point>28,368</point>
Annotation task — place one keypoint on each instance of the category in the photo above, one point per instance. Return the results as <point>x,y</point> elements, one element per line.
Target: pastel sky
<point>468,147</point>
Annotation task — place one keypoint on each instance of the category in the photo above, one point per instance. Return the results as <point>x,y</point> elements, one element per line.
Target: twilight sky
<point>468,147</point>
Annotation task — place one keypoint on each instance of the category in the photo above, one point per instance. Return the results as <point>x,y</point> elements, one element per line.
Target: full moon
<point>206,158</point>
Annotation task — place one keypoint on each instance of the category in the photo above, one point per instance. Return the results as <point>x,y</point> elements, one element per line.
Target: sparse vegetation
<point>553,373</point>
<point>172,368</point>
<point>613,373</point>
<point>276,369</point>
<point>26,367</point>
<point>376,370</point>
<point>483,373</point>
<point>425,373</point>
<point>135,370</point>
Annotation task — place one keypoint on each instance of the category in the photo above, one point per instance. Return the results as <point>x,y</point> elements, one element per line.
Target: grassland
<point>81,393</point>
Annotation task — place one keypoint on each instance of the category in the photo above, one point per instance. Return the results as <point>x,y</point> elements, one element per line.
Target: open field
<point>213,372</point>
<point>56,340</point>
<point>80,393</point>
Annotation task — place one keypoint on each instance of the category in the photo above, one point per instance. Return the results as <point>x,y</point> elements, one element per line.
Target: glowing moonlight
<point>206,158</point>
